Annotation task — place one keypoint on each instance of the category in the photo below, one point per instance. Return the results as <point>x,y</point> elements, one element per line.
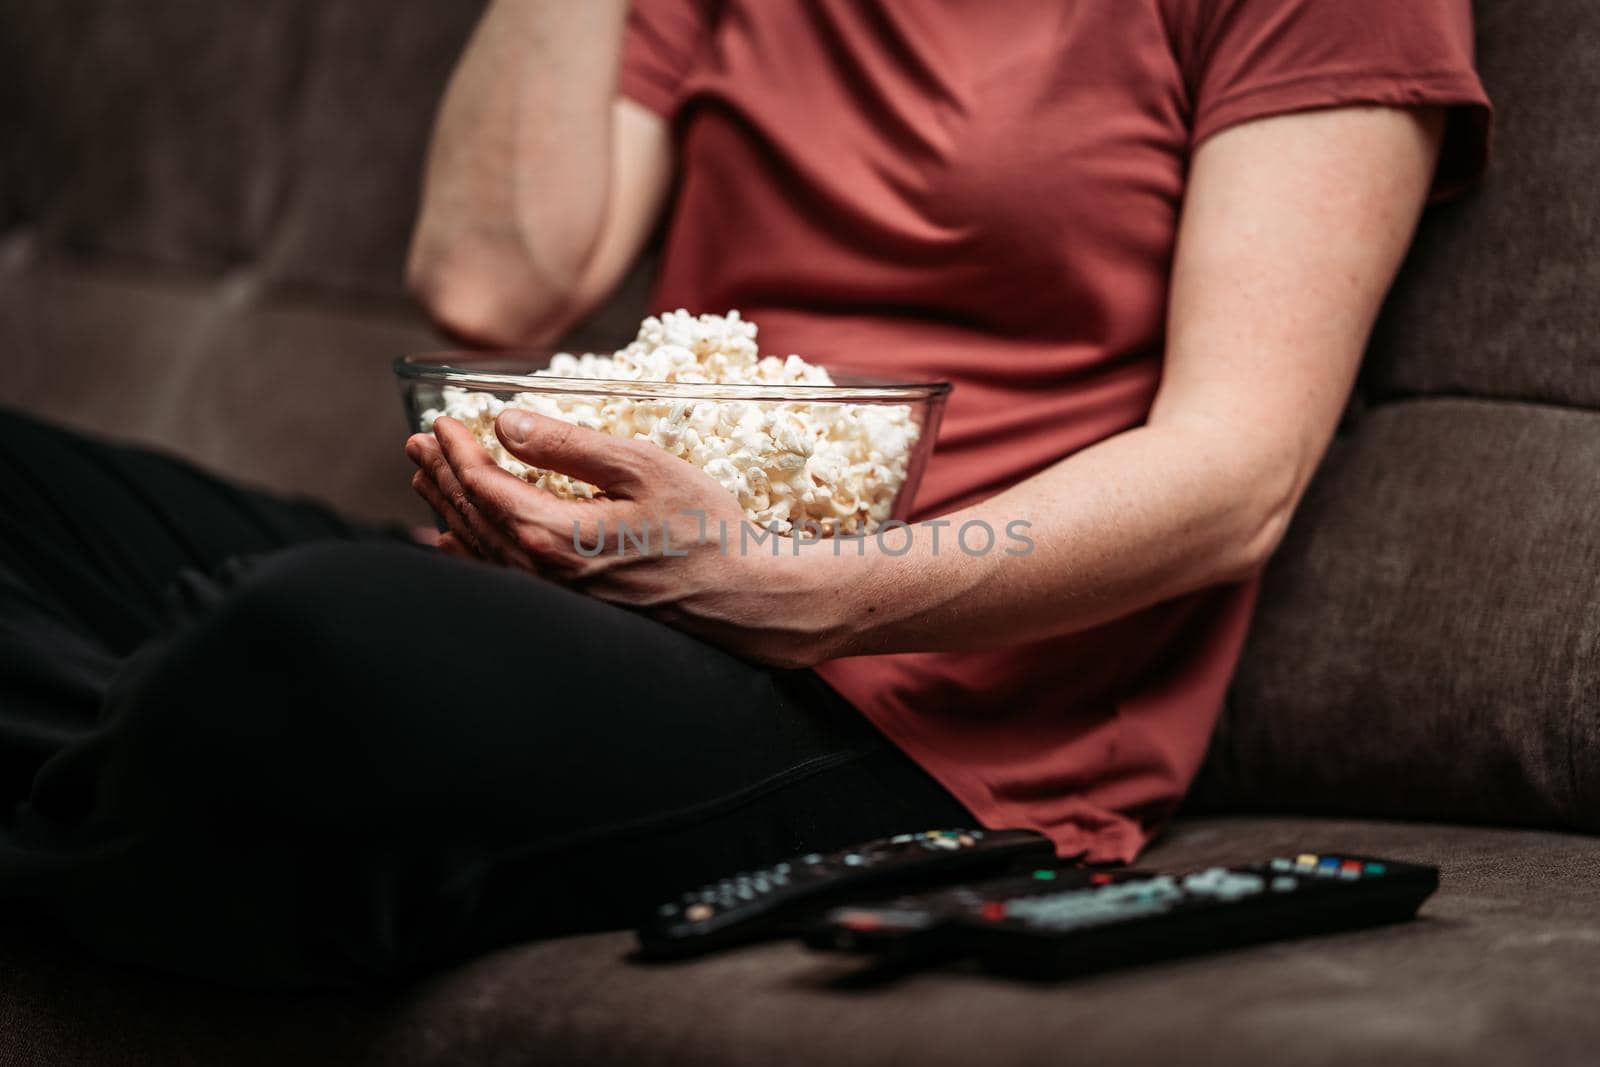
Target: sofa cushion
<point>1498,299</point>
<point>1428,641</point>
<point>294,395</point>
<point>1504,967</point>
<point>287,137</point>
<point>149,133</point>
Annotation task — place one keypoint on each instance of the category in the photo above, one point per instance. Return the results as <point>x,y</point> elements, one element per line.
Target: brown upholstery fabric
<point>284,137</point>
<point>1504,968</point>
<point>150,131</point>
<point>1499,297</point>
<point>292,395</point>
<point>1429,640</point>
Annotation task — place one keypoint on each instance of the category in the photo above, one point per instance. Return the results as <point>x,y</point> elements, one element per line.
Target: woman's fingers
<point>475,534</point>
<point>425,535</point>
<point>451,545</point>
<point>617,465</point>
<point>462,531</point>
<point>564,537</point>
<point>439,486</point>
<point>495,490</point>
<point>423,486</point>
<point>534,519</point>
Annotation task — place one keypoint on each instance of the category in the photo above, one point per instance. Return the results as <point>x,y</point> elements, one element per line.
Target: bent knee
<point>267,699</point>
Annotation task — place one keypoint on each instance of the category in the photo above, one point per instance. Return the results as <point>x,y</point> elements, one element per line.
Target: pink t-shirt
<point>988,193</point>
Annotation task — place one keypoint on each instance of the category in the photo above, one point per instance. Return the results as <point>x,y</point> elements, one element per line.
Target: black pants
<point>243,739</point>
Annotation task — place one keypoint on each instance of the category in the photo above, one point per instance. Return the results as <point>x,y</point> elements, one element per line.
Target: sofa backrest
<point>204,210</point>
<point>1429,638</point>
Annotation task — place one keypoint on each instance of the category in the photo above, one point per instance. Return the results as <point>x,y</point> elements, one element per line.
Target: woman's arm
<point>541,184</point>
<point>1292,232</point>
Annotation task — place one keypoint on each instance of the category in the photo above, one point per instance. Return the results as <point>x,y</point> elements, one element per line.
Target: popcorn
<point>838,466</point>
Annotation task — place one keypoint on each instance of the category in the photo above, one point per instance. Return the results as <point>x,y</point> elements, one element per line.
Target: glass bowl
<point>812,460</point>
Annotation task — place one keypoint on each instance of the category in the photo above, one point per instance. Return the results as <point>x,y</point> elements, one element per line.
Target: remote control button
<point>1281,864</point>
<point>812,858</point>
<point>699,913</point>
<point>1284,884</point>
<point>667,911</point>
<point>1376,868</point>
<point>1089,907</point>
<point>854,860</point>
<point>1305,859</point>
<point>1240,885</point>
<point>1205,881</point>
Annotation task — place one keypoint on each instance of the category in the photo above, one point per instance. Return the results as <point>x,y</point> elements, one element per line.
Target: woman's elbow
<point>481,299</point>
<point>1267,518</point>
<point>1256,548</point>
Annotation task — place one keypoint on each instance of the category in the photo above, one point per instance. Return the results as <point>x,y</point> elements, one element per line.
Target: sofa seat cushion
<point>1503,968</point>
<point>1428,641</point>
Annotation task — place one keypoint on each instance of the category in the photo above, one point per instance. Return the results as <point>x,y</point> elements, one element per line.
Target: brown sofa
<point>203,212</point>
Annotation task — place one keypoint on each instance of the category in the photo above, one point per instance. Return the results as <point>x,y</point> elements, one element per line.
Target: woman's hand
<point>666,540</point>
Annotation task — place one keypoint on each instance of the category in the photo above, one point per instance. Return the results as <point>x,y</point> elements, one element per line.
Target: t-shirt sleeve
<point>1248,59</point>
<point>662,40</point>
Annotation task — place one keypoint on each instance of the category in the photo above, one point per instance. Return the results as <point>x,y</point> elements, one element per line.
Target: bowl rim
<point>857,387</point>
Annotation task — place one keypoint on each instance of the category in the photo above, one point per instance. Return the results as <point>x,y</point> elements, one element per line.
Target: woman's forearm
<point>517,178</point>
<point>1142,517</point>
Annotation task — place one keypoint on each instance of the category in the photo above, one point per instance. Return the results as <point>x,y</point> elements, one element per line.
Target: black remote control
<point>1063,922</point>
<point>920,927</point>
<point>753,905</point>
<point>1160,916</point>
